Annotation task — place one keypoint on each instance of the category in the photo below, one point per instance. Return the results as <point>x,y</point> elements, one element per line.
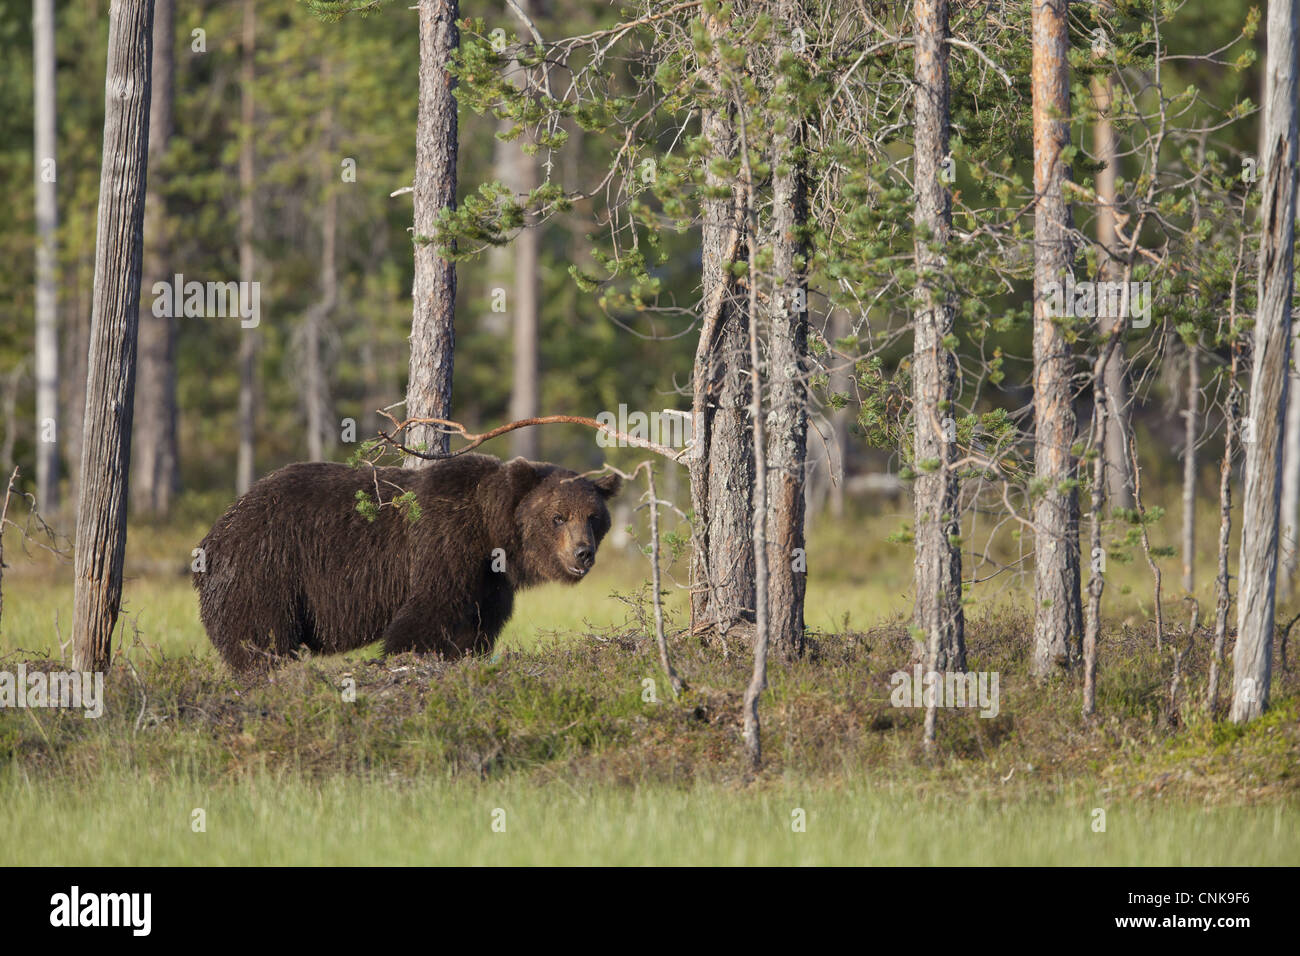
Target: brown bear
<point>296,562</point>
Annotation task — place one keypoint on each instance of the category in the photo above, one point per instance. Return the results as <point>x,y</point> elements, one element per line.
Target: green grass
<point>122,820</point>
<point>554,730</point>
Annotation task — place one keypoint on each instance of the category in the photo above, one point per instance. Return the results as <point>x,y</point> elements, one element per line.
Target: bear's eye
<point>557,520</point>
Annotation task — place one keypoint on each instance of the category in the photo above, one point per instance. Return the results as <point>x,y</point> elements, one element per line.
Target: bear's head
<point>563,520</point>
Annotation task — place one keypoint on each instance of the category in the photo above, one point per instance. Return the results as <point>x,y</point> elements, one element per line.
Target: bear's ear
<point>608,485</point>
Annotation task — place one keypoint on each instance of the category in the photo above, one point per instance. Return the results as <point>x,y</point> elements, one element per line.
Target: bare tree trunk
<point>245,465</point>
<point>841,379</point>
<point>1096,575</point>
<point>1119,482</point>
<point>110,386</point>
<point>1058,612</point>
<point>1103,406</point>
<point>1191,424</point>
<point>525,400</point>
<point>937,613</point>
<point>157,462</point>
<point>47,258</point>
<point>74,321</point>
<point>1290,540</point>
<point>1253,658</point>
<point>722,470</point>
<point>316,402</point>
<point>1223,597</point>
<point>787,450</point>
<point>433,326</point>
<point>758,677</point>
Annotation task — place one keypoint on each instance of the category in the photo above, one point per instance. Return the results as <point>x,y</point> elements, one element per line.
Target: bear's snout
<point>580,560</point>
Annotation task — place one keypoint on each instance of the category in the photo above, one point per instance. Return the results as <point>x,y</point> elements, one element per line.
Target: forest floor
<point>556,749</point>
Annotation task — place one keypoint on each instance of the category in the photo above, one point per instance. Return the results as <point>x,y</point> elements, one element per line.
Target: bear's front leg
<point>421,625</point>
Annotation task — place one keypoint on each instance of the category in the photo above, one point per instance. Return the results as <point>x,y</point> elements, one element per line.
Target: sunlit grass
<point>261,819</point>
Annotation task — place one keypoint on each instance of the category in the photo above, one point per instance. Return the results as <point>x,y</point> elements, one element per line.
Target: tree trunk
<point>245,466</point>
<point>937,614</point>
<point>47,259</point>
<point>74,322</point>
<point>1223,597</point>
<point>787,449</point>
<point>316,402</point>
<point>1290,539</point>
<point>1058,613</point>
<point>110,385</point>
<point>157,463</point>
<point>1119,479</point>
<point>758,677</point>
<point>841,383</point>
<point>722,469</point>
<point>1253,658</point>
<point>1191,423</point>
<point>433,329</point>
<point>524,390</point>
<point>525,399</point>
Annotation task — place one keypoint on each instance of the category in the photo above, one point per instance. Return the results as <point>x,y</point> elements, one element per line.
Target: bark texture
<point>1058,612</point>
<point>1119,480</point>
<point>110,385</point>
<point>722,470</point>
<point>1253,658</point>
<point>433,328</point>
<point>787,420</point>
<point>1291,482</point>
<point>937,614</point>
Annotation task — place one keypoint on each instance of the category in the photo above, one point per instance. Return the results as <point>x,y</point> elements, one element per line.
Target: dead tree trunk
<point>245,465</point>
<point>1058,613</point>
<point>722,464</point>
<point>758,677</point>
<point>1253,658</point>
<point>937,615</point>
<point>841,382</point>
<point>788,369</point>
<point>1290,540</point>
<point>1191,424</point>
<point>433,327</point>
<point>315,380</point>
<point>110,385</point>
<point>47,258</point>
<point>1119,482</point>
<point>1223,596</point>
<point>525,394</point>
<point>157,462</point>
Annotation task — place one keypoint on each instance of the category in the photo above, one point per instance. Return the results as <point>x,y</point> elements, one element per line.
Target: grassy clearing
<point>286,819</point>
<point>556,730</point>
<point>587,769</point>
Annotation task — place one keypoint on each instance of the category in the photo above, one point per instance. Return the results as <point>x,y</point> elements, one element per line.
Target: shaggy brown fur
<point>293,563</point>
